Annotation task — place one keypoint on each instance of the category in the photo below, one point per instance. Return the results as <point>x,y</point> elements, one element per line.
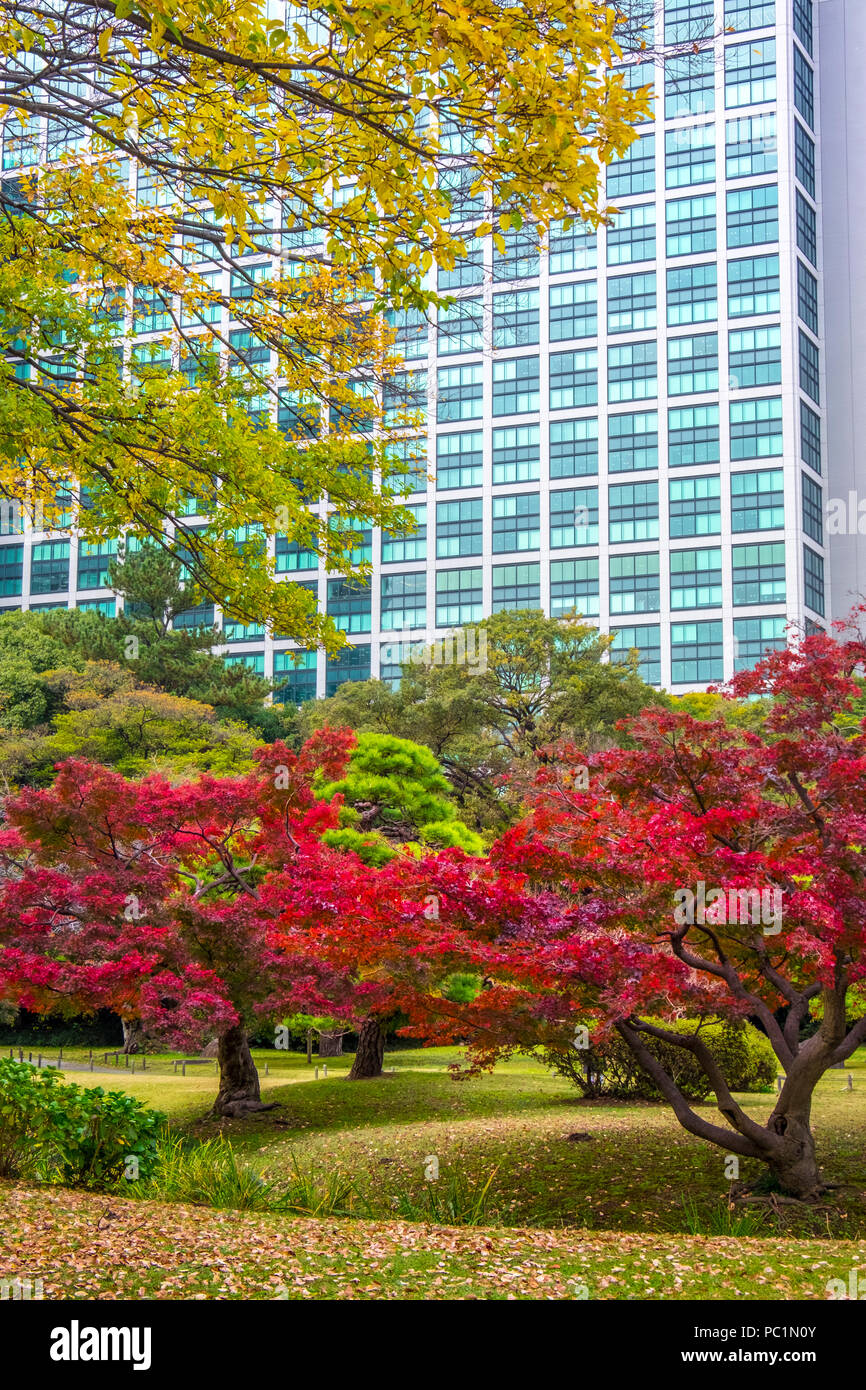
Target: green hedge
<point>743,1054</point>
<point>75,1135</point>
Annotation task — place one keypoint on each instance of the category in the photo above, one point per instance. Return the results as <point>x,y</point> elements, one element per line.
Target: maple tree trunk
<point>795,1166</point>
<point>239,1090</point>
<point>330,1044</point>
<point>133,1035</point>
<point>371,1051</point>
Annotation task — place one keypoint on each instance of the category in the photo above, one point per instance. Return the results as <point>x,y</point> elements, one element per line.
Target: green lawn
<point>637,1172</point>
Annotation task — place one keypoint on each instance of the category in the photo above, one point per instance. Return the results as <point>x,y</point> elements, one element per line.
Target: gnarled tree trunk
<point>371,1051</point>
<point>133,1035</point>
<point>239,1090</point>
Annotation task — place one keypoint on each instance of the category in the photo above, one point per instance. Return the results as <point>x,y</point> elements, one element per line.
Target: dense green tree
<point>523,683</point>
<point>394,793</point>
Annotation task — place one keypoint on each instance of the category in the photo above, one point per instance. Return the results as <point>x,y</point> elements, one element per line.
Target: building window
<point>632,372</point>
<point>750,73</point>
<point>749,14</point>
<point>631,303</point>
<point>755,357</point>
<point>804,159</point>
<point>516,523</point>
<point>236,630</point>
<point>693,436</point>
<point>461,393</point>
<point>634,584</point>
<point>686,21</point>
<point>49,567</point>
<point>573,448</point>
<point>813,580</point>
<point>754,638</point>
<point>253,661</point>
<point>759,573</point>
<point>460,328</point>
<point>753,215</point>
<point>633,512</point>
<point>574,587</point>
<point>807,297</point>
<point>11,569</point>
<point>200,616</point>
<point>692,294</point>
<point>350,603</point>
<point>810,368</point>
<point>813,509</point>
<point>751,147</point>
<point>515,319</point>
<point>695,507</point>
<point>468,271</point>
<point>517,454</point>
<point>632,235</point>
<point>691,225</point>
<point>295,684</point>
<point>106,606</point>
<point>573,248</point>
<point>697,653</point>
<point>93,562</point>
<point>456,182</point>
<point>459,597</point>
<point>810,437</point>
<point>689,85</point>
<point>459,528</point>
<point>693,364</point>
<point>573,518</point>
<point>573,311</point>
<point>635,171</point>
<point>404,601</point>
<point>516,386</point>
<point>400,550</point>
<point>519,260</point>
<point>803,23</point>
<point>633,442</point>
<point>573,379</point>
<point>804,89</point>
<point>350,664</point>
<point>696,578</point>
<point>753,286</point>
<point>646,641</point>
<point>516,587</point>
<point>290,556</point>
<point>690,156</point>
<point>756,429</point>
<point>758,501</point>
<point>807,229</point>
<point>459,460</point>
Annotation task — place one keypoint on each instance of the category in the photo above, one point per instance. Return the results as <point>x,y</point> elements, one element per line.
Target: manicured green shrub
<point>79,1136</point>
<point>744,1056</point>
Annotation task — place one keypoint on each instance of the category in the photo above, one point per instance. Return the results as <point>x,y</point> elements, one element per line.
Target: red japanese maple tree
<point>704,871</point>
<point>162,902</point>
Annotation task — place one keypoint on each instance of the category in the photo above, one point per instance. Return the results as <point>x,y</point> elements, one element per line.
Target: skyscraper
<point>630,423</point>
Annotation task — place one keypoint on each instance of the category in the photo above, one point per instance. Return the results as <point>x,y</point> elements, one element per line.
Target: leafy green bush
<point>744,1056</point>
<point>82,1137</point>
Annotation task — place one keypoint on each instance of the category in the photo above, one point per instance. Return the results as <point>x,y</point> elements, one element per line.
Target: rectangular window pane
<point>573,448</point>
<point>756,429</point>
<point>574,587</point>
<point>692,294</point>
<point>693,436</point>
<point>631,303</point>
<point>753,286</point>
<point>459,459</point>
<point>753,215</point>
<point>759,573</point>
<point>758,501</point>
<point>697,653</point>
<point>633,442</point>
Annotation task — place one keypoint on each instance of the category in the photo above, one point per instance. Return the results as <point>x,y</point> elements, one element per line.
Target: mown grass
<point>636,1171</point>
